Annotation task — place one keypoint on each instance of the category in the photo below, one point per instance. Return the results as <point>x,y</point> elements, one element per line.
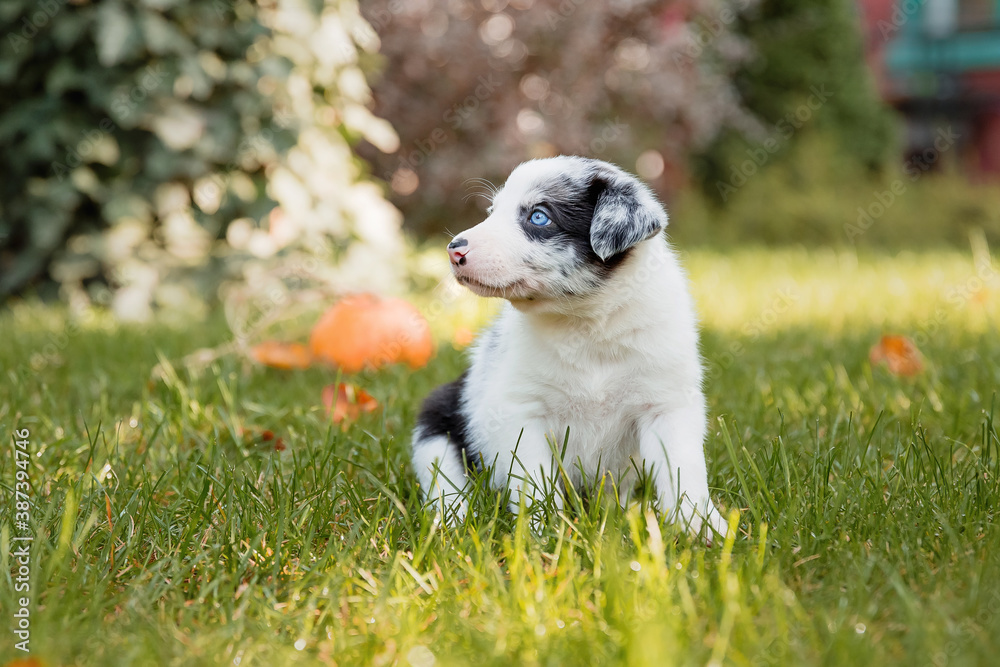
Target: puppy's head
<point>559,227</point>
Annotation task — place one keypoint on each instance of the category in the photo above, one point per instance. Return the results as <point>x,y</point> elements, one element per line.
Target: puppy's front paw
<point>708,522</point>
<point>716,526</point>
<point>713,526</point>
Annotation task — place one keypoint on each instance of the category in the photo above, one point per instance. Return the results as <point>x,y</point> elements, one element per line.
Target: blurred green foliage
<point>807,72</point>
<point>147,144</point>
<point>816,195</point>
<point>104,103</point>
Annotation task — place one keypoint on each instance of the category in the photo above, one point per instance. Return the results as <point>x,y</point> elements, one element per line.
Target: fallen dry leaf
<point>345,402</point>
<point>900,355</point>
<point>286,356</point>
<point>366,331</point>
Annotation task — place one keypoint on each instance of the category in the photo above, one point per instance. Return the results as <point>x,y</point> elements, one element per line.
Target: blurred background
<point>171,155</point>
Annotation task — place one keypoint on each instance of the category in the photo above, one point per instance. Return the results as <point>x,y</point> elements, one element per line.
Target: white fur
<point>617,364</point>
<point>442,475</point>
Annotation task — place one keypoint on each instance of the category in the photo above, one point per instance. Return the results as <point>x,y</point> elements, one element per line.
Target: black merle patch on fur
<point>570,204</point>
<point>620,219</point>
<point>440,415</point>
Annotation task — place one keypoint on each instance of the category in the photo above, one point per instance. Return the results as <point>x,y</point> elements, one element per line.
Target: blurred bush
<point>825,170</point>
<point>474,88</point>
<point>807,73</point>
<point>155,150</point>
<point>815,195</point>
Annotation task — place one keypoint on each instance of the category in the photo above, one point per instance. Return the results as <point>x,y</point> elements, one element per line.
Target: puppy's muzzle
<point>457,250</point>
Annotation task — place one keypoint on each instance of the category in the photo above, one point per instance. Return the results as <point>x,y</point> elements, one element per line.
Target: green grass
<point>169,532</point>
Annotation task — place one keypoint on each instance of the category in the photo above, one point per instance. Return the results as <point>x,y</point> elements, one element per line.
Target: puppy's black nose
<point>458,256</point>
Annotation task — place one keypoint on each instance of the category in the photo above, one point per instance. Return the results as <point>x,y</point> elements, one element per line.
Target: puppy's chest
<point>600,410</point>
<point>591,391</point>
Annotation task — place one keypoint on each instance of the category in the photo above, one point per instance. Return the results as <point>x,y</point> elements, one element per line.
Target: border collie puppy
<point>599,337</point>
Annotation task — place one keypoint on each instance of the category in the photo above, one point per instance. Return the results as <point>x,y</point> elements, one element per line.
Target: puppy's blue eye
<point>539,218</point>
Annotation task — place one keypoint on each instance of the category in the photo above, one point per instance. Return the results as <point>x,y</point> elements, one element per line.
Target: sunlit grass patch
<point>762,291</point>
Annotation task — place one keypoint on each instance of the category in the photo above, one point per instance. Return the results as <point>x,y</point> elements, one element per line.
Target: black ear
<point>625,213</point>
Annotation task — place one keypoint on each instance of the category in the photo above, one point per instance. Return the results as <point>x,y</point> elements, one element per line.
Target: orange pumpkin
<point>365,331</point>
